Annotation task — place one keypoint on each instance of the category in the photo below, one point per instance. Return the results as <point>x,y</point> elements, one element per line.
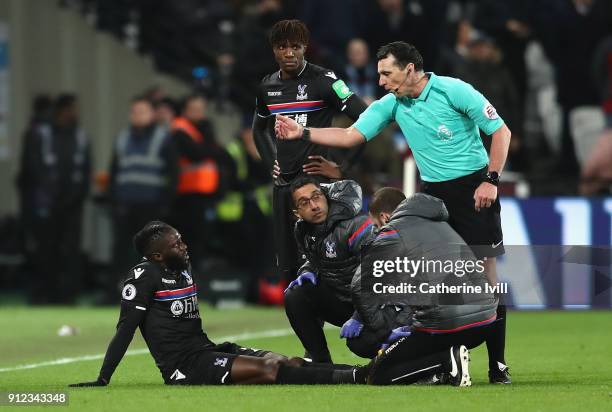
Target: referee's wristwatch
<point>492,177</point>
<point>306,133</point>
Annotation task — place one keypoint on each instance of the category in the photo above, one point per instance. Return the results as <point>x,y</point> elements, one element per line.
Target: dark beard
<point>176,263</point>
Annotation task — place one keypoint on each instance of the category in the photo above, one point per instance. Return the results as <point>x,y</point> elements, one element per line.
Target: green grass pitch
<point>559,361</point>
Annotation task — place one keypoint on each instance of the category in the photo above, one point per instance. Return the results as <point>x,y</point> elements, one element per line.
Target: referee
<point>440,118</point>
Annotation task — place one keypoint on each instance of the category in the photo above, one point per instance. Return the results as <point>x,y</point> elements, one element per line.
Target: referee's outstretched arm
<point>287,128</point>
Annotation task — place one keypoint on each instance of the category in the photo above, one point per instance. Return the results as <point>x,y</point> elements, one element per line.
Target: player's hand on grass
<point>485,195</point>
<point>351,329</point>
<point>304,277</point>
<point>322,167</point>
<point>287,128</point>
<point>99,382</point>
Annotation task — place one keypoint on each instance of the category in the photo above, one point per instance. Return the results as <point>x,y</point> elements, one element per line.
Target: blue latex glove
<point>306,276</point>
<point>396,334</point>
<point>351,329</point>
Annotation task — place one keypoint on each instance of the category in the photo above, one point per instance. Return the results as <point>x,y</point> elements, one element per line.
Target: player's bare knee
<point>295,362</point>
<point>275,356</point>
<point>270,370</point>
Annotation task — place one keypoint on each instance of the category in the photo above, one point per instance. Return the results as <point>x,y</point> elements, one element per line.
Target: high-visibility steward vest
<point>49,189</point>
<point>230,208</point>
<point>141,177</point>
<point>196,177</point>
<point>49,158</point>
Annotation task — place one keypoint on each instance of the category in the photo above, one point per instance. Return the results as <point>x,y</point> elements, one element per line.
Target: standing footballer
<point>311,96</point>
<point>440,117</point>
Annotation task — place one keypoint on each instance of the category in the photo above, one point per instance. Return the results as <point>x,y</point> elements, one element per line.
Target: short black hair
<point>403,52</point>
<point>289,32</point>
<point>301,182</point>
<point>42,108</point>
<point>141,99</point>
<point>64,101</point>
<point>144,241</point>
<point>41,103</point>
<point>385,200</point>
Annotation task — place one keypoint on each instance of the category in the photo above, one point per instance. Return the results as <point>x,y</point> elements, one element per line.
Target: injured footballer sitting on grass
<point>160,297</point>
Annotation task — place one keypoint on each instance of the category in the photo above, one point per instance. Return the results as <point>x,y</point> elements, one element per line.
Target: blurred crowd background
<point>546,65</point>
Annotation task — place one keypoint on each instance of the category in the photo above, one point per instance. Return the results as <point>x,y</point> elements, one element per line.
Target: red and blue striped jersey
<point>172,326</point>
<point>312,99</point>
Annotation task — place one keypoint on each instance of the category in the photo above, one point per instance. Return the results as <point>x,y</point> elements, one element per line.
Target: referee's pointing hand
<point>485,195</point>
<point>287,128</point>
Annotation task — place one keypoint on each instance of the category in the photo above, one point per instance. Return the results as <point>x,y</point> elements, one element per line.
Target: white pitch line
<point>273,333</point>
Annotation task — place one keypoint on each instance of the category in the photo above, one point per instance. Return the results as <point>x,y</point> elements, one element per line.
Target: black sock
<point>289,375</point>
<point>322,357</point>
<point>342,373</point>
<point>334,366</point>
<point>361,374</point>
<point>496,341</point>
<point>405,373</point>
<point>346,376</point>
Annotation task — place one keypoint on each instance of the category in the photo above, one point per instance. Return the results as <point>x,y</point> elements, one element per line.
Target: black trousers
<point>54,249</point>
<point>366,345</point>
<point>287,259</point>
<point>248,245</point>
<point>307,307</point>
<point>422,354</point>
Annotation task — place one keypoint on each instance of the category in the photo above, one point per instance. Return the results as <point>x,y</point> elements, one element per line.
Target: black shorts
<point>481,230</point>
<point>212,366</point>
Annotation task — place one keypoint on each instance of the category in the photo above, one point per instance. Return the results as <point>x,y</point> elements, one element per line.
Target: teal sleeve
<point>376,117</point>
<point>471,102</point>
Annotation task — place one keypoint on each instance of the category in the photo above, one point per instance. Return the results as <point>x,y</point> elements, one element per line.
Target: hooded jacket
<point>418,234</point>
<point>332,248</point>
